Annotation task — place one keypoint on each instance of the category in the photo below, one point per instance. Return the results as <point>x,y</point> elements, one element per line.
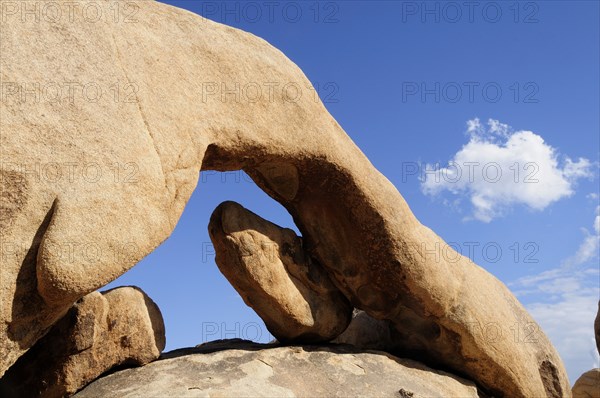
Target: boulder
<point>244,369</point>
<point>122,326</point>
<point>268,267</point>
<point>588,385</point>
<point>100,157</point>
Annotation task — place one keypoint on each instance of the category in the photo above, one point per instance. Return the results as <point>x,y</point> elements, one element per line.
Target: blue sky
<point>426,88</point>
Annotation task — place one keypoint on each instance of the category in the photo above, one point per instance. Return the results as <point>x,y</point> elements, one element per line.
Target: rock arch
<point>353,219</point>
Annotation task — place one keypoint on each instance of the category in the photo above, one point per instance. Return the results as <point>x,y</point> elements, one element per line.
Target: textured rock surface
<point>118,327</point>
<point>246,370</point>
<point>128,164</point>
<point>588,385</point>
<point>268,267</point>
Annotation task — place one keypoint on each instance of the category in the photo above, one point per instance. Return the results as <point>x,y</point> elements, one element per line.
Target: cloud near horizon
<point>564,301</point>
<point>499,168</point>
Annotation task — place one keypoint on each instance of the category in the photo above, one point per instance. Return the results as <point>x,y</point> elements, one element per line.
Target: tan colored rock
<point>268,267</point>
<point>588,385</point>
<point>254,370</point>
<point>122,326</point>
<point>88,179</point>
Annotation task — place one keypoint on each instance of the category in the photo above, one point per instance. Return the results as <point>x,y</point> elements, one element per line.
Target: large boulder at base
<point>588,385</point>
<point>122,326</point>
<point>105,126</point>
<point>268,267</point>
<point>252,370</point>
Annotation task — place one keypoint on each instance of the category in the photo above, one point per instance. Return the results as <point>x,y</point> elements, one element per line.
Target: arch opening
<point>197,302</point>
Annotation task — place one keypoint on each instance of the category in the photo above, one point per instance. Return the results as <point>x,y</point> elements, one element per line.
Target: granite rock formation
<point>93,181</point>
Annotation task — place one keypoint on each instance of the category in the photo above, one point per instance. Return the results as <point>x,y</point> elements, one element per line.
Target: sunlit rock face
<point>115,173</point>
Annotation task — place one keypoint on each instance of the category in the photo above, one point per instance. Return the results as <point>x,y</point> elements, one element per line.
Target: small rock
<point>405,394</point>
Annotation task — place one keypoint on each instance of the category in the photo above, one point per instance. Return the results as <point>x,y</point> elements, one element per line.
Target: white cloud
<point>581,168</point>
<point>588,249</point>
<point>498,128</point>
<point>499,168</point>
<point>570,303</point>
